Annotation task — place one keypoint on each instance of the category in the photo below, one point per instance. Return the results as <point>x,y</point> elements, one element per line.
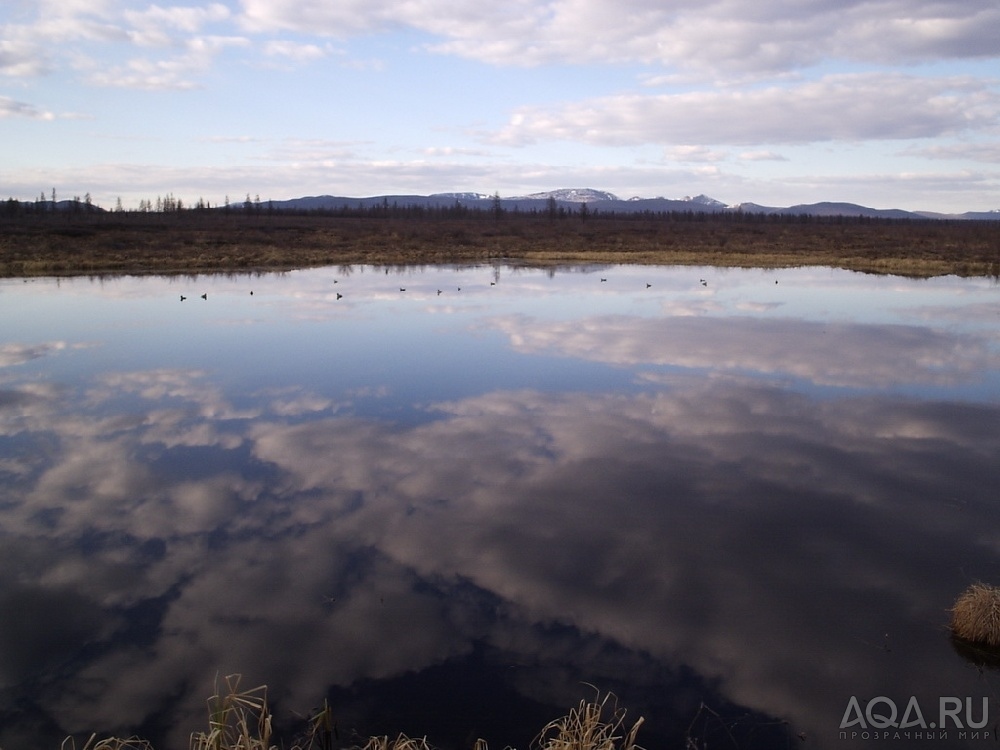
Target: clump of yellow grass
<point>402,742</point>
<point>976,615</point>
<point>110,743</point>
<point>592,725</point>
<point>240,720</point>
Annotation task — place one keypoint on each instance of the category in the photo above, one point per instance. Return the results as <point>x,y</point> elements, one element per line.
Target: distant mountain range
<point>568,199</point>
<point>599,200</point>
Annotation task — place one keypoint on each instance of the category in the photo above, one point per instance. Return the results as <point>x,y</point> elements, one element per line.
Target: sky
<point>886,103</point>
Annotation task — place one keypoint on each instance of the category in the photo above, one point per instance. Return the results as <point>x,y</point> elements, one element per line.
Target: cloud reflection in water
<point>788,549</point>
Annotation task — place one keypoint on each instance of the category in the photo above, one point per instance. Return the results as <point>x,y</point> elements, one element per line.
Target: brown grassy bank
<point>192,242</point>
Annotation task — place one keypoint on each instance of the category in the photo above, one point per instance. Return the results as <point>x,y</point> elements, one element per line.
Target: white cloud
<point>190,19</point>
<point>838,355</point>
<point>22,58</point>
<point>178,72</point>
<point>979,152</point>
<point>736,36</point>
<point>86,37</point>
<point>17,353</point>
<point>870,106</point>
<point>156,26</point>
<point>447,151</point>
<point>297,51</point>
<point>761,156</point>
<point>694,154</point>
<point>13,108</point>
<point>315,16</point>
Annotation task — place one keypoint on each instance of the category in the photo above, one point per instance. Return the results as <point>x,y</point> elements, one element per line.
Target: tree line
<point>488,209</point>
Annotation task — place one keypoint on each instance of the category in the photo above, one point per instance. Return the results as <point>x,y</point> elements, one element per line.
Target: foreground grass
<point>163,243</point>
<point>241,720</point>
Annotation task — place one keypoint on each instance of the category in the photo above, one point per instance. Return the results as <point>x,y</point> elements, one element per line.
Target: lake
<point>455,501</point>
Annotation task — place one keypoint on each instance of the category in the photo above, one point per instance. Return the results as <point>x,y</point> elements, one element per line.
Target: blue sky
<point>889,103</point>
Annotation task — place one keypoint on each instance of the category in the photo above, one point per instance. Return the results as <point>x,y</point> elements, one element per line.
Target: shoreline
<point>165,244</point>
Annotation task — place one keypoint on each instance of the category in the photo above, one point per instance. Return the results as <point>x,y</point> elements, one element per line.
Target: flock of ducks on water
<point>703,282</point>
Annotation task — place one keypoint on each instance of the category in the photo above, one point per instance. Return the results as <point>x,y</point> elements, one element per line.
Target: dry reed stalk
<point>241,720</point>
<point>322,730</point>
<point>110,743</point>
<point>401,742</point>
<point>976,615</point>
<point>594,725</point>
<point>236,719</point>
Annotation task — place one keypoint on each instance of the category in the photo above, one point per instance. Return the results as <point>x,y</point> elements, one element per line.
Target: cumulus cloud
<point>694,154</point>
<point>176,72</point>
<point>761,156</point>
<point>723,38</point>
<point>18,353</point>
<point>65,35</point>
<point>185,386</point>
<point>719,35</point>
<point>22,58</point>
<point>870,106</point>
<point>700,475</point>
<point>835,354</point>
<point>13,108</point>
<point>297,51</point>
<point>318,549</point>
<point>295,401</point>
<point>980,152</point>
<point>155,24</point>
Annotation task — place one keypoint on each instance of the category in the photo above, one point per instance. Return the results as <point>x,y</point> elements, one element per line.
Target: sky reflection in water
<point>448,510</point>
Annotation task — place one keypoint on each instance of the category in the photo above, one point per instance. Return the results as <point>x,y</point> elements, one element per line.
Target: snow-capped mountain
<point>571,195</point>
<point>462,196</point>
<point>600,200</point>
<point>704,200</point>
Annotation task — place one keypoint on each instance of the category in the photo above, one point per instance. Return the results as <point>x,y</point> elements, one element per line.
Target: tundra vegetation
<point>976,615</point>
<point>87,241</point>
<point>242,720</point>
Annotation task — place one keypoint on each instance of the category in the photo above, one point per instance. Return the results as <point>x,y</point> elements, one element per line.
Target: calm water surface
<point>735,498</point>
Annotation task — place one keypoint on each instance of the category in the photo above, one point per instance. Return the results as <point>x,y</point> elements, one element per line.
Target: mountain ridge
<point>600,200</point>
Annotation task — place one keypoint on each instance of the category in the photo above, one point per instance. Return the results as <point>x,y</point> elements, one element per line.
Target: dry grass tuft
<point>110,743</point>
<point>976,615</point>
<point>236,719</point>
<point>240,720</point>
<point>401,742</point>
<point>594,725</point>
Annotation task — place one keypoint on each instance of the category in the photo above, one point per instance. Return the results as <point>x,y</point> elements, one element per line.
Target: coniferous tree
<point>497,206</point>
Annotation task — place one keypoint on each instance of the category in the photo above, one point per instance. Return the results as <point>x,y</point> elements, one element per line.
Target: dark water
<point>736,504</point>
